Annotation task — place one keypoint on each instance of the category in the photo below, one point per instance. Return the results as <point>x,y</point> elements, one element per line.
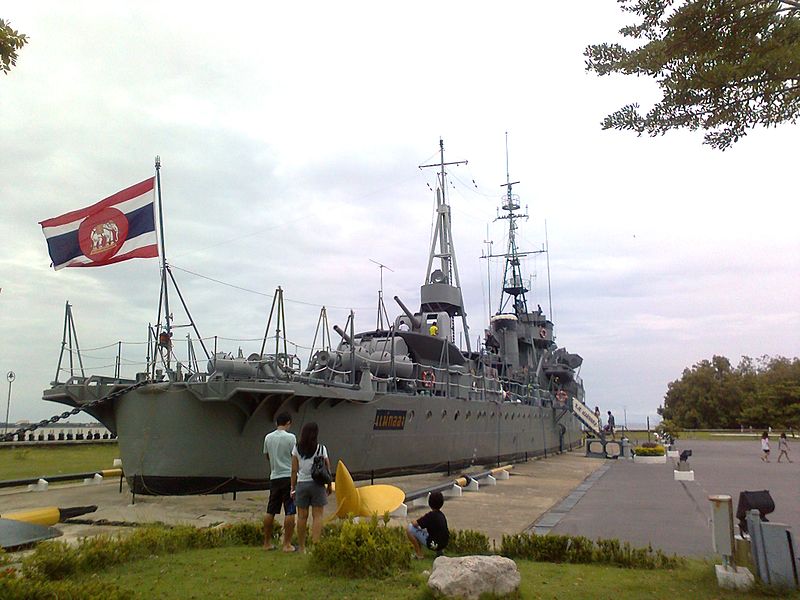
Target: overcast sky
<point>290,138</point>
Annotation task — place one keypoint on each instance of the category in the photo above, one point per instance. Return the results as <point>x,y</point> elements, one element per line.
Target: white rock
<point>468,577</point>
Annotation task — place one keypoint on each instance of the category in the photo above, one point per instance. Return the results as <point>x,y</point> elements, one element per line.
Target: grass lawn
<point>718,436</point>
<point>246,572</point>
<point>28,462</point>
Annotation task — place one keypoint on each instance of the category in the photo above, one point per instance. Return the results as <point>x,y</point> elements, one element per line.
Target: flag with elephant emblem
<point>120,227</point>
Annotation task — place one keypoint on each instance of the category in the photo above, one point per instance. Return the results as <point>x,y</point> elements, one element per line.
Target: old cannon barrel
<point>414,320</point>
<point>345,337</point>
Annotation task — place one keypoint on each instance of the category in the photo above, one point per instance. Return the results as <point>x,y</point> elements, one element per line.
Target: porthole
<point>428,414</point>
<point>468,415</point>
<point>411,416</point>
<point>444,413</point>
<point>455,416</point>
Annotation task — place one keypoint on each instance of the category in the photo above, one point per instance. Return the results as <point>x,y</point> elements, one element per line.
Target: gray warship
<point>403,398</point>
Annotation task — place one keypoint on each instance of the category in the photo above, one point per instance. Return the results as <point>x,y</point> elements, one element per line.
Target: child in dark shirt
<point>430,530</point>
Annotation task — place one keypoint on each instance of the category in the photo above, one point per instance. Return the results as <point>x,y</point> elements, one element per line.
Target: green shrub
<point>57,560</point>
<point>362,549</point>
<point>655,450</point>
<point>13,588</point>
<point>578,549</point>
<point>548,548</point>
<point>467,541</point>
<point>51,560</point>
<point>250,534</point>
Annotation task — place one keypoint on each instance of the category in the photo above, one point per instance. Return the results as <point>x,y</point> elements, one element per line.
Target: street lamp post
<point>11,377</point>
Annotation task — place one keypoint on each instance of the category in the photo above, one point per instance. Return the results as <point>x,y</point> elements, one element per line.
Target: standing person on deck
<point>307,492</point>
<point>278,447</point>
<point>765,447</point>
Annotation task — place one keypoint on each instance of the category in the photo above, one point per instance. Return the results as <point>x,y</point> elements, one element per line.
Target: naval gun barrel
<point>414,320</point>
<point>345,337</point>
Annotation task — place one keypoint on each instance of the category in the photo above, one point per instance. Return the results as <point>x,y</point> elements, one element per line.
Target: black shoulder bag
<point>319,469</point>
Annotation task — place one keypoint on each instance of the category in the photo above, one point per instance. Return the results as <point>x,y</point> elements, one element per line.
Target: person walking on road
<point>278,447</point>
<point>765,447</point>
<point>610,423</point>
<point>783,447</point>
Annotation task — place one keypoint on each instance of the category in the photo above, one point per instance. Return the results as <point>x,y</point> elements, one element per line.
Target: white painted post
<point>454,491</point>
<point>472,486</point>
<point>400,511</point>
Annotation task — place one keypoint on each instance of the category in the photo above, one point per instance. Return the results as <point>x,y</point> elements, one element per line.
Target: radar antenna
<point>382,314</point>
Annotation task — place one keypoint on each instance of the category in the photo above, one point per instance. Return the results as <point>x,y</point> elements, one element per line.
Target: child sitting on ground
<point>430,530</point>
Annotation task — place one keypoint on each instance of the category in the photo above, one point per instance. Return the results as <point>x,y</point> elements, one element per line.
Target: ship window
<point>411,416</point>
<point>429,414</point>
<point>468,415</point>
<point>492,416</point>
<point>444,413</point>
<point>455,416</point>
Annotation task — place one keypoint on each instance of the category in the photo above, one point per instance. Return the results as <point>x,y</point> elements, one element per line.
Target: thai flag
<point>121,227</point>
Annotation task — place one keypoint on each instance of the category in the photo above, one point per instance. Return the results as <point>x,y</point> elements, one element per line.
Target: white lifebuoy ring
<point>428,379</point>
<point>561,396</point>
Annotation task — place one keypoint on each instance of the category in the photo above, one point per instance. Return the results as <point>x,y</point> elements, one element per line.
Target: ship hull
<point>207,437</point>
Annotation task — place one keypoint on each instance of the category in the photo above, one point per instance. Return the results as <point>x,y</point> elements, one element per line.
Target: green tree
<point>10,41</point>
<point>757,393</point>
<point>723,66</point>
<point>707,396</point>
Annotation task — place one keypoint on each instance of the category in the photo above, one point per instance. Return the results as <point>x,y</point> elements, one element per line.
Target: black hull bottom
<point>154,485</point>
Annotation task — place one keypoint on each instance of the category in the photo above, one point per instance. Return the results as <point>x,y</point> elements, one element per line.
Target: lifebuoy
<point>561,396</point>
<point>428,379</point>
<point>543,333</point>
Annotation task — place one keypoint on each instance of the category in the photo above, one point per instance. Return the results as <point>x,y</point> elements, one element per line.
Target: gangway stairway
<point>598,446</point>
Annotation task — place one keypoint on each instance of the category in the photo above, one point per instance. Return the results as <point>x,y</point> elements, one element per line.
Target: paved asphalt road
<point>643,503</point>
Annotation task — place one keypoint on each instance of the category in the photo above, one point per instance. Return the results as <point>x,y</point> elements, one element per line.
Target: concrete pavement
<point>643,504</point>
<point>509,507</point>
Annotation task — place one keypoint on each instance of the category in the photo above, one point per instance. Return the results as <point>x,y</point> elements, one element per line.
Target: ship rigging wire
<point>266,295</point>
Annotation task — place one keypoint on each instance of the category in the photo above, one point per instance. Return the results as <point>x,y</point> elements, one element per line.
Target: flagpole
<point>167,325</point>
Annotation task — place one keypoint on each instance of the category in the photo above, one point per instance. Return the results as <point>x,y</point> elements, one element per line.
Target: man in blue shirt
<point>278,447</point>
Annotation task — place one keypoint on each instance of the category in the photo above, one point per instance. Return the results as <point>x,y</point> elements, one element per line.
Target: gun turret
<point>415,322</point>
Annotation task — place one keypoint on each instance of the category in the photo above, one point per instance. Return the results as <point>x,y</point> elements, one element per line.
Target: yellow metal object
<point>111,472</point>
<point>38,516</point>
<point>364,501</point>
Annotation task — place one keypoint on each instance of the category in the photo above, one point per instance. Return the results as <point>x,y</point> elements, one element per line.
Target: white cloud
<point>290,137</point>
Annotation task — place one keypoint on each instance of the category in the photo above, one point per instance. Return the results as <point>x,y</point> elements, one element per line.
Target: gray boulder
<point>467,577</point>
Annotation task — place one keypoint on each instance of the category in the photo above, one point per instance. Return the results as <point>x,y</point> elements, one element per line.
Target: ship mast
<point>514,289</point>
<point>442,288</point>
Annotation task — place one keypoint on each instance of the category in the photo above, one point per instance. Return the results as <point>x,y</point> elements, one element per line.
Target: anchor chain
<point>8,437</point>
